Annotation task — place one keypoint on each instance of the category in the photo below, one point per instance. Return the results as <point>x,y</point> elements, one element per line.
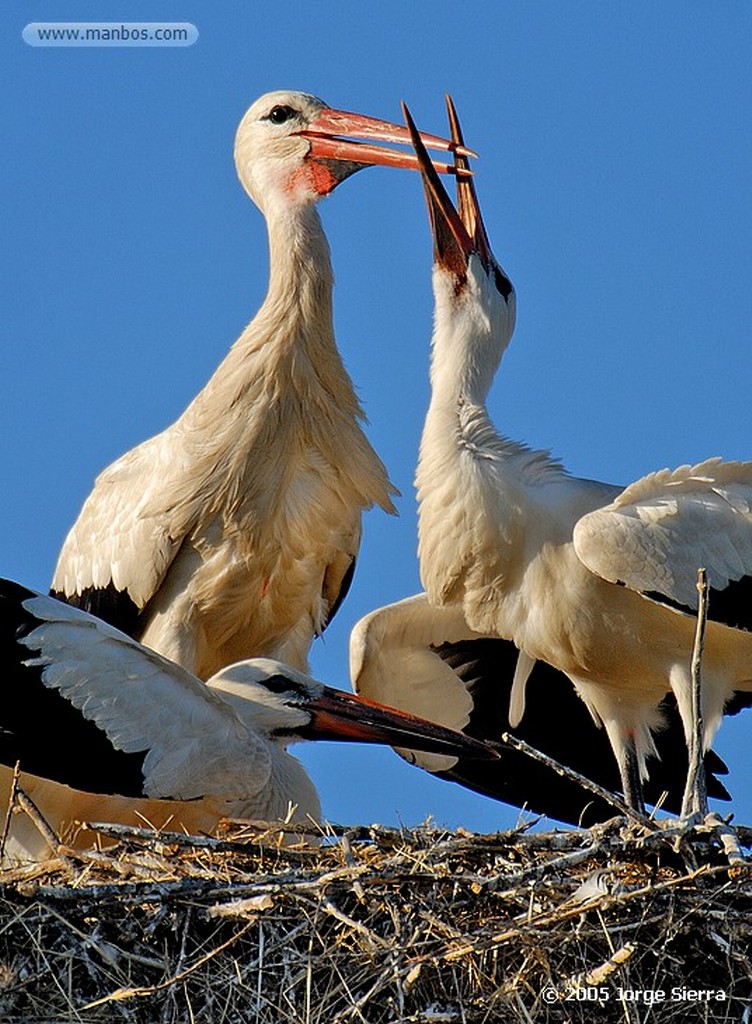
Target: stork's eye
<point>278,115</point>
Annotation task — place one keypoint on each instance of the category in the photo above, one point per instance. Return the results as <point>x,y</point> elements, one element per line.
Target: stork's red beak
<point>336,715</point>
<point>456,232</point>
<point>467,199</point>
<point>328,135</point>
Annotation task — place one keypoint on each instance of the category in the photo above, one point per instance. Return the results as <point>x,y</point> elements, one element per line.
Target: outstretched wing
<point>85,705</point>
<point>660,530</point>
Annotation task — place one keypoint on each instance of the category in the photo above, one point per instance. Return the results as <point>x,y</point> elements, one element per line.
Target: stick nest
<point>380,925</point>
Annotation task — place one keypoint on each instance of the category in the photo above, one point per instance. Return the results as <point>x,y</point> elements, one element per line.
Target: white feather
<point>656,534</point>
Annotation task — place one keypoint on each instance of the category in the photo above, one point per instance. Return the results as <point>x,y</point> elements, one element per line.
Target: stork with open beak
<point>234,532</point>
<point>590,582</point>
<point>105,729</point>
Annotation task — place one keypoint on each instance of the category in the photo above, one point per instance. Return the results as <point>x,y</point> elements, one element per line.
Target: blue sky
<point>616,151</point>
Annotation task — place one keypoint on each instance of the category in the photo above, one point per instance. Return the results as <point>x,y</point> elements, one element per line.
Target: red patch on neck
<point>312,176</point>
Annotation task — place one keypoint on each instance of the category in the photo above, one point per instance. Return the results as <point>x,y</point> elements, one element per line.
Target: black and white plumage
<point>593,580</point>
<point>105,729</point>
<point>425,660</point>
<point>234,532</point>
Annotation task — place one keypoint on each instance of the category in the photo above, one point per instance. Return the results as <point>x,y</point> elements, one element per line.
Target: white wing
<point>660,530</point>
<point>122,535</point>
<point>392,662</point>
<point>197,744</point>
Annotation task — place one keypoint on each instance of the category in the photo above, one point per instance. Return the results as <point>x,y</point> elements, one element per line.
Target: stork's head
<point>475,300</point>
<point>286,705</point>
<point>293,147</point>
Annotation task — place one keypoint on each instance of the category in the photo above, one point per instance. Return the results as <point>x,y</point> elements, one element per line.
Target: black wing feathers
<point>40,729</point>
<point>108,603</point>
<point>731,606</point>
<point>556,722</point>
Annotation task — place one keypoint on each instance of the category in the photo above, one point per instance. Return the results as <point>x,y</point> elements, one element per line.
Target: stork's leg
<point>695,799</point>
<point>631,783</point>
<point>624,744</point>
<point>688,692</point>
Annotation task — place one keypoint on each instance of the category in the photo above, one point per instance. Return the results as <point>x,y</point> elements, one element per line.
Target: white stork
<point>234,532</point>
<point>105,729</point>
<point>593,580</point>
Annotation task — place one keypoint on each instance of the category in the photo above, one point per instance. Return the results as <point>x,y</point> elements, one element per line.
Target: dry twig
<point>385,926</point>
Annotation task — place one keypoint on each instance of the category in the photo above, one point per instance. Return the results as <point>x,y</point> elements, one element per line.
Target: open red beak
<point>329,140</point>
<point>336,715</point>
<point>456,232</point>
<point>467,199</point>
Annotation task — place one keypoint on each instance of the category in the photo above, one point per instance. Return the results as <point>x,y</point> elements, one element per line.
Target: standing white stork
<point>234,532</point>
<point>594,580</point>
<point>105,729</point>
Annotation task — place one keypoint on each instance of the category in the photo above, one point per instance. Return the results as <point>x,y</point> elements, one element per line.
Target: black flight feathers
<point>556,722</point>
<point>40,729</point>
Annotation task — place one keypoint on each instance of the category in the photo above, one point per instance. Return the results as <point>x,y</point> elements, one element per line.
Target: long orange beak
<point>453,241</point>
<point>336,715</point>
<point>467,199</point>
<point>457,232</point>
<point>328,135</point>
